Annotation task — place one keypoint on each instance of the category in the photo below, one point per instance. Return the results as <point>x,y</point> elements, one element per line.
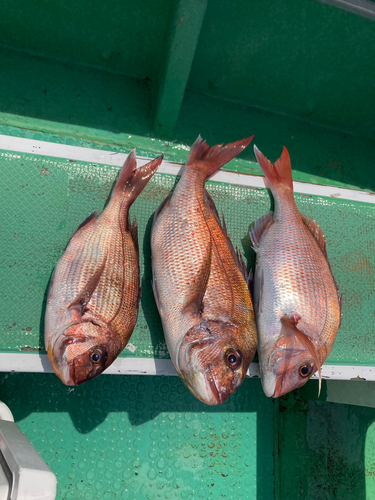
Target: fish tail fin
<point>131,180</point>
<point>279,174</point>
<point>126,172</point>
<point>210,160</point>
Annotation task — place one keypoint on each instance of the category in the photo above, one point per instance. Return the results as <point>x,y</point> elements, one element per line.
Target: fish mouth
<point>67,371</point>
<point>269,383</point>
<point>202,384</point>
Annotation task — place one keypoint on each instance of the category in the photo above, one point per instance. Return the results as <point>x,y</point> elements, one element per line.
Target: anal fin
<point>260,228</point>
<point>89,220</point>
<point>134,233</point>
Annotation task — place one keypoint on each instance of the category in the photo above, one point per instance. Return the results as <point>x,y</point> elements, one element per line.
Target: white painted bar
<point>89,155</point>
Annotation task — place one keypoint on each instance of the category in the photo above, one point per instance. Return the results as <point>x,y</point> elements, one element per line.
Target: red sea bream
<point>200,283</point>
<point>296,299</point>
<point>93,299</point>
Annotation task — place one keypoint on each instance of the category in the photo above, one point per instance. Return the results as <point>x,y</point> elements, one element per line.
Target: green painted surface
<point>62,94</point>
<point>145,438</point>
<point>303,58</point>
<point>45,199</point>
<point>184,29</point>
<point>323,450</point>
<point>295,73</point>
<point>115,35</point>
<point>318,155</point>
<point>355,392</point>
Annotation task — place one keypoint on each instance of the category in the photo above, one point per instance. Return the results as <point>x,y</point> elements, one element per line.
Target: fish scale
<point>202,297</point>
<point>93,300</point>
<point>297,303</point>
<point>287,270</point>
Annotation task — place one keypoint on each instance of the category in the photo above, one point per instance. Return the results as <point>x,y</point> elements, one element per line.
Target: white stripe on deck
<point>43,148</point>
<point>39,363</point>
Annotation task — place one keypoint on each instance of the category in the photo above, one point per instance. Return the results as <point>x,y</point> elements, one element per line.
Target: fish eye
<point>97,356</point>
<point>306,369</point>
<point>233,358</point>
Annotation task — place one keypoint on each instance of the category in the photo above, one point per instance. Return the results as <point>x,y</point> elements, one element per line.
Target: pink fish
<point>200,284</point>
<point>296,299</point>
<point>93,299</point>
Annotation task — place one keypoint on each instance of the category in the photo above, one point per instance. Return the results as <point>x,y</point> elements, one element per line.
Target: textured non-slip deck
<point>44,199</point>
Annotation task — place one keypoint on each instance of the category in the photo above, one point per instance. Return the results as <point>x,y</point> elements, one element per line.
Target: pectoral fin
<point>197,289</point>
<point>290,331</point>
<point>236,254</point>
<point>79,303</point>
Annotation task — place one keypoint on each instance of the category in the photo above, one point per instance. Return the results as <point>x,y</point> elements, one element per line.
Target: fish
<point>93,298</point>
<point>297,303</point>
<point>201,284</point>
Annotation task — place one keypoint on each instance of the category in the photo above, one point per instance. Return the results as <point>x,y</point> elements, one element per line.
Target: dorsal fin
<point>242,267</point>
<point>318,234</point>
<point>251,284</point>
<point>260,228</point>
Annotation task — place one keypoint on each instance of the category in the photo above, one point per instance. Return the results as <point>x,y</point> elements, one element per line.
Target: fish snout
<point>210,361</point>
<point>78,358</point>
<point>269,383</point>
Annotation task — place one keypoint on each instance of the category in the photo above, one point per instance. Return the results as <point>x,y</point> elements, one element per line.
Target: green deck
<point>48,198</point>
<point>153,75</point>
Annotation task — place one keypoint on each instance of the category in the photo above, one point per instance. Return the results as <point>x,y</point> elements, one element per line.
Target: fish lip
<point>66,371</point>
<point>65,374</point>
<point>213,387</point>
<point>278,388</point>
<point>269,383</point>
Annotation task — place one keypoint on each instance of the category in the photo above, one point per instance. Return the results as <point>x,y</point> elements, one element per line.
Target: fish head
<point>210,361</point>
<point>81,352</point>
<point>285,368</point>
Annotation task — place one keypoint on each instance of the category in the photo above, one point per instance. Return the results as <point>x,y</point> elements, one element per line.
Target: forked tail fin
<point>279,174</point>
<point>210,160</point>
<point>131,181</point>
